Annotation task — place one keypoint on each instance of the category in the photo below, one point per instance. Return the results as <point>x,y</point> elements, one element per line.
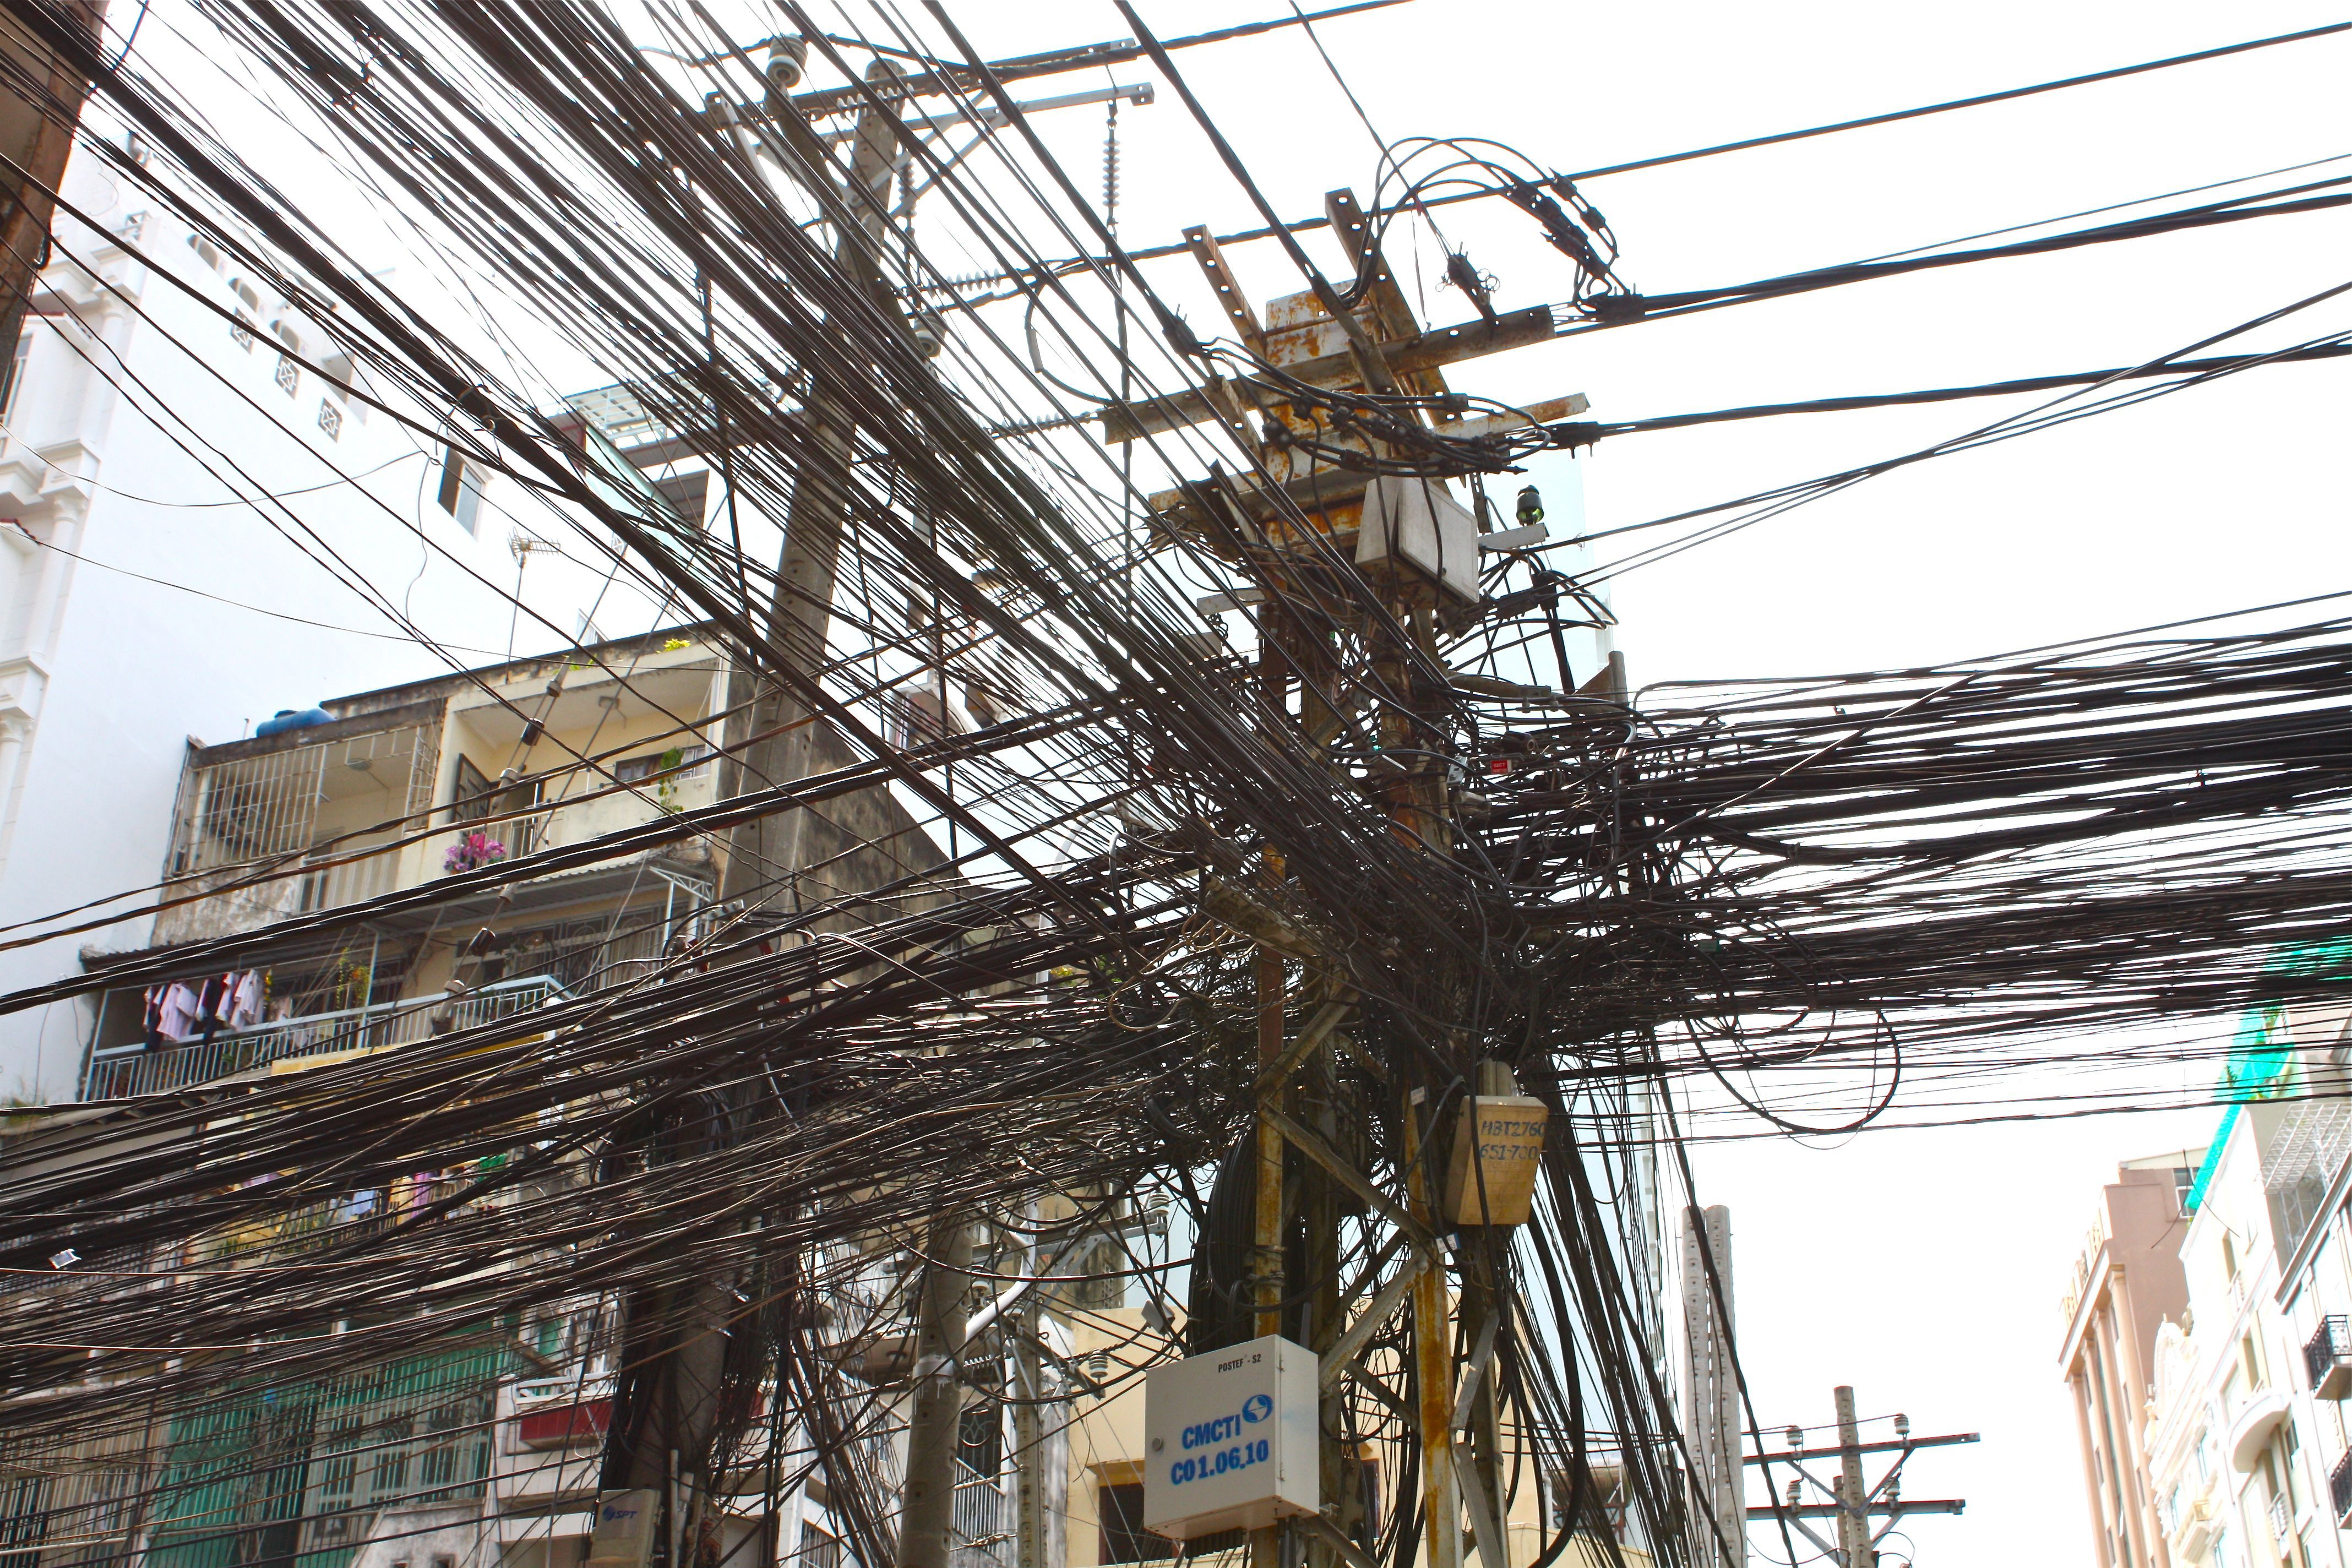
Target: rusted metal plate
<point>1442,346</point>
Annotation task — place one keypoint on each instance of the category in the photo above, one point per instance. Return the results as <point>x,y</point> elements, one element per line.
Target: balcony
<point>977,1537</point>
<point>2329,1358</point>
<point>280,1047</point>
<point>326,793</point>
<point>321,816</point>
<point>2252,1428</point>
<point>2194,1528</point>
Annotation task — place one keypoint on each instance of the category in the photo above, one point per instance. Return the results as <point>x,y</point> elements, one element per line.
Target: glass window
<point>629,770</point>
<point>470,801</point>
<point>461,489</point>
<point>1118,1510</point>
<point>17,377</point>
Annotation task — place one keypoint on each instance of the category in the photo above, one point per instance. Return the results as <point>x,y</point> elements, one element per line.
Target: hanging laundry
<point>177,1021</point>
<point>213,1003</point>
<point>246,995</point>
<point>150,1017</point>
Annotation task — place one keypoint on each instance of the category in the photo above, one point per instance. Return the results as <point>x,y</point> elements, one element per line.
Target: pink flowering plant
<point>472,850</point>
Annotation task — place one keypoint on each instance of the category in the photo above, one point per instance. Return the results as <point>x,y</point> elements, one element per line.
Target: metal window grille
<point>241,334</point>
<point>68,1489</point>
<point>250,809</point>
<point>2331,1343</point>
<point>330,420</point>
<point>290,375</point>
<point>819,1548</point>
<point>259,808</point>
<point>977,1536</point>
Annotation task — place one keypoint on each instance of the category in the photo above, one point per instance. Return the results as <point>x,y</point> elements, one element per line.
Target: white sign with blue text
<point>1229,1439</point>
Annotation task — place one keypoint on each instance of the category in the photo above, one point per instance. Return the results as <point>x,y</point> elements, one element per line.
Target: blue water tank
<point>288,719</point>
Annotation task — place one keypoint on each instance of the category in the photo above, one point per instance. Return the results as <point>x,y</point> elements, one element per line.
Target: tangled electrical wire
<point>1652,913</point>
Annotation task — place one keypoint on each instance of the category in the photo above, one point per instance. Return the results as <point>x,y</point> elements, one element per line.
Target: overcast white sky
<point>1925,1267</point>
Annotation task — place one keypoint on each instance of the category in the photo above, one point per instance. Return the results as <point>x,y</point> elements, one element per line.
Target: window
<point>819,1550</point>
<point>629,770</point>
<point>461,489</point>
<point>339,1468</point>
<point>330,420</point>
<point>2230,1257</point>
<point>290,375</point>
<point>241,334</point>
<point>470,801</point>
<point>687,494</point>
<point>1118,1508</point>
<point>980,1440</point>
<point>16,376</point>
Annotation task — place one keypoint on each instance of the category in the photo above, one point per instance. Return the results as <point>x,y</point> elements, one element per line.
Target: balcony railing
<point>2340,1490</point>
<point>118,1075</point>
<point>978,1538</point>
<point>2329,1358</point>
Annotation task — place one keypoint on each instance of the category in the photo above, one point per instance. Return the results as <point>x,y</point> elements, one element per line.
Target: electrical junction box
<point>1229,1439</point>
<point>624,1536</point>
<point>1498,1153</point>
<point>1417,524</point>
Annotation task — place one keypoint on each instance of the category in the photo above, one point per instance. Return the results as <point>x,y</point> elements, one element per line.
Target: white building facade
<point>201,525</point>
<point>2246,1435</point>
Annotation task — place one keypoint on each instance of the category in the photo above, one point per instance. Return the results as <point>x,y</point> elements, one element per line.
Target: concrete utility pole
<point>1849,1500</point>
<point>927,1513</point>
<point>661,1442</point>
<point>800,616</point>
<point>1711,1393</point>
<point>1853,1524</point>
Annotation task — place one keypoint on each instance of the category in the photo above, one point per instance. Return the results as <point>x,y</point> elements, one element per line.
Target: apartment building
<point>195,494</point>
<point>2128,1283</point>
<point>2243,1431</point>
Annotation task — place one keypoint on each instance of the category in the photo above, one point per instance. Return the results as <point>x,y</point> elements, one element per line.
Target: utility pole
<point>1848,1499</point>
<point>1293,525</point>
<point>665,1427</point>
<point>934,1430</point>
<point>800,616</point>
<point>677,1412</point>
<point>1711,1392</point>
<point>1853,1525</point>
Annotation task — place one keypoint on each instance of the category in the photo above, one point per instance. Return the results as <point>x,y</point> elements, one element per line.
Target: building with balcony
<point>2243,1436</point>
<point>401,786</point>
<point>194,488</point>
<point>398,789</point>
<point>2127,1283</point>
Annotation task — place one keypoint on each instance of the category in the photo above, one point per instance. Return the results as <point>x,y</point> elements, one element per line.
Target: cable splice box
<point>1229,1439</point>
